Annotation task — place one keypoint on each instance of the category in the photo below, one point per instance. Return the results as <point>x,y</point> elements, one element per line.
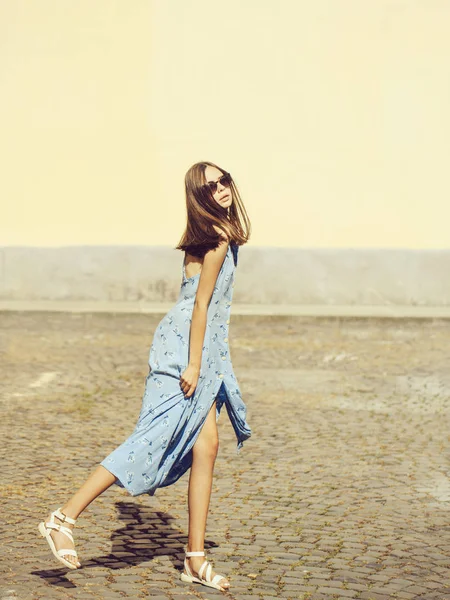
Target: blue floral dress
<point>159,451</point>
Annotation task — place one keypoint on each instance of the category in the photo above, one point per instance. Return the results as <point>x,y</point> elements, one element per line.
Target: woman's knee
<point>207,447</point>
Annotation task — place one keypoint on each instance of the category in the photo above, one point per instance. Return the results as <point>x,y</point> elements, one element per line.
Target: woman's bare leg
<point>99,481</point>
<point>200,485</point>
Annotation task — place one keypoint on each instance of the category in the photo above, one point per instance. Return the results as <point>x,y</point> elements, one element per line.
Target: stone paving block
<point>401,582</point>
<point>371,595</point>
<point>432,585</point>
<point>317,581</point>
<point>347,593</point>
<point>300,587</point>
<point>416,589</point>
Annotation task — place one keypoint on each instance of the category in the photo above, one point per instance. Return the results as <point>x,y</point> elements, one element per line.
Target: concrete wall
<point>264,275</point>
<point>331,115</point>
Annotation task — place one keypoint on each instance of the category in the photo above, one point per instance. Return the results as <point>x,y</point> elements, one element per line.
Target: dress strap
<point>235,249</point>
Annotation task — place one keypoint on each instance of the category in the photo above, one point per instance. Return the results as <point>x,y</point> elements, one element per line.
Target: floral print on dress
<point>169,422</point>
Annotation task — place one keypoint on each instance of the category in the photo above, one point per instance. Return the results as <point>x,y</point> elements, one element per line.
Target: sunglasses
<point>211,186</point>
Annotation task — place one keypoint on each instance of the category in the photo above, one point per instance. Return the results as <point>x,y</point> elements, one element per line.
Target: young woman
<point>190,378</point>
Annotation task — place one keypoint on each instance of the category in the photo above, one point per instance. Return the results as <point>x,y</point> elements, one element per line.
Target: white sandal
<point>190,577</point>
<point>45,531</point>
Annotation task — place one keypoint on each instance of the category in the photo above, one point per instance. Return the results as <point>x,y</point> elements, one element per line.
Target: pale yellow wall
<point>332,115</point>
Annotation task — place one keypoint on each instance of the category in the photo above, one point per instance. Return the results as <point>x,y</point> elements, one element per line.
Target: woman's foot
<point>60,539</point>
<point>195,562</point>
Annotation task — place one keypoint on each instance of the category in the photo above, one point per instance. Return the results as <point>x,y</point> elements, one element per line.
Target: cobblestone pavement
<point>342,491</point>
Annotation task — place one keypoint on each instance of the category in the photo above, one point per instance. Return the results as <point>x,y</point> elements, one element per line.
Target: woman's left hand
<point>189,380</point>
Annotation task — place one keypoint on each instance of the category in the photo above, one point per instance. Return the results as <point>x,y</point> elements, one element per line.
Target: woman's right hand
<point>189,379</point>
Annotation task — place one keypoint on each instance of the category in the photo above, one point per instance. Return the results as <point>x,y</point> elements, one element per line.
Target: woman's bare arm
<point>212,264</point>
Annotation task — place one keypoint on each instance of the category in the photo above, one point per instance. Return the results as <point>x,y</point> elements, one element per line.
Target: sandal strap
<point>188,570</point>
<point>62,517</point>
<point>62,552</point>
<point>65,530</point>
<point>206,565</point>
<point>209,569</point>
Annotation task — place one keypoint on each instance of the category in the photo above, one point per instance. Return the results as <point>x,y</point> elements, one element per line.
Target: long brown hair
<point>203,212</point>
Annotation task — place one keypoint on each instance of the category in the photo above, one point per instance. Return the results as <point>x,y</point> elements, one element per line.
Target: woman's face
<point>223,194</point>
